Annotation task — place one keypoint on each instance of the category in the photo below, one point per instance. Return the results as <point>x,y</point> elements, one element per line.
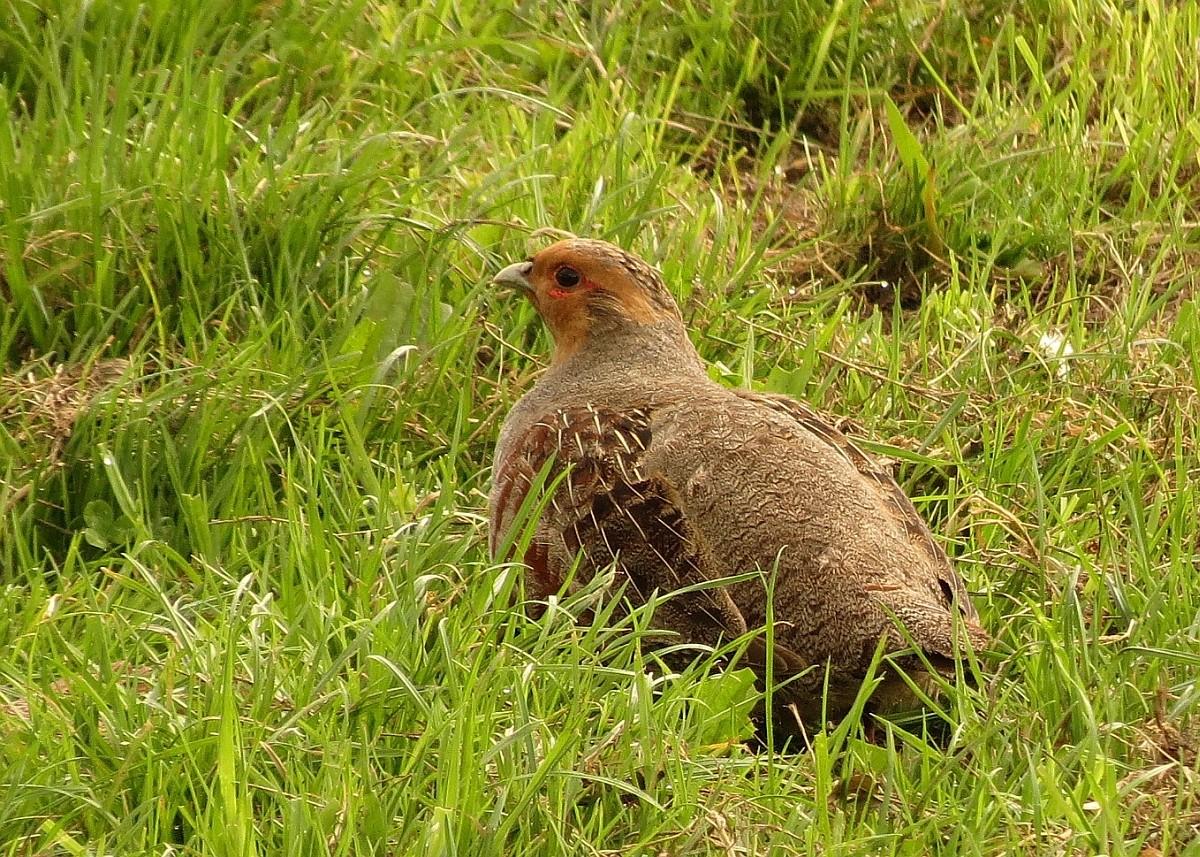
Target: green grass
<point>247,605</point>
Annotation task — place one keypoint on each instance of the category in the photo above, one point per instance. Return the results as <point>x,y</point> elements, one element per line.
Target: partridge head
<point>673,480</point>
<point>586,290</point>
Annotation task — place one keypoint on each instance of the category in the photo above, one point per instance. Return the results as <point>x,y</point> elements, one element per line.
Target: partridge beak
<point>516,274</point>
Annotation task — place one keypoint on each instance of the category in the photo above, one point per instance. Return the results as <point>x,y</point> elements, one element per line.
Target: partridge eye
<point>567,277</point>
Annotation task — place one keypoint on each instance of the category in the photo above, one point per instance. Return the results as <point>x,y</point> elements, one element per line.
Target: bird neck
<point>638,348</point>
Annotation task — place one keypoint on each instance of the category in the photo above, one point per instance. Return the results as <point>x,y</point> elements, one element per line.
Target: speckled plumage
<point>677,479</point>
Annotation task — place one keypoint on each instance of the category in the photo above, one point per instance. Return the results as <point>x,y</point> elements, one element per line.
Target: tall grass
<point>253,373</point>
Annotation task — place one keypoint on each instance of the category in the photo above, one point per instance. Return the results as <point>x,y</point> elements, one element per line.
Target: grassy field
<point>253,371</point>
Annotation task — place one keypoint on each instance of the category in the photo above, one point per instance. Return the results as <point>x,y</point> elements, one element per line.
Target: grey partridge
<point>672,480</point>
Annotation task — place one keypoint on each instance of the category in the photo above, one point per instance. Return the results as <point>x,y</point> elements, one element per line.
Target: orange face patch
<point>566,277</point>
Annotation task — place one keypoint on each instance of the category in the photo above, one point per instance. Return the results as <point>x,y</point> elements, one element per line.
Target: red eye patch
<point>557,292</point>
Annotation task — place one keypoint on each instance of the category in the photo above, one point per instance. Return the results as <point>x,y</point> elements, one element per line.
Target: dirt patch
<point>805,247</point>
<point>1166,781</point>
<point>41,404</point>
<point>1104,268</point>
